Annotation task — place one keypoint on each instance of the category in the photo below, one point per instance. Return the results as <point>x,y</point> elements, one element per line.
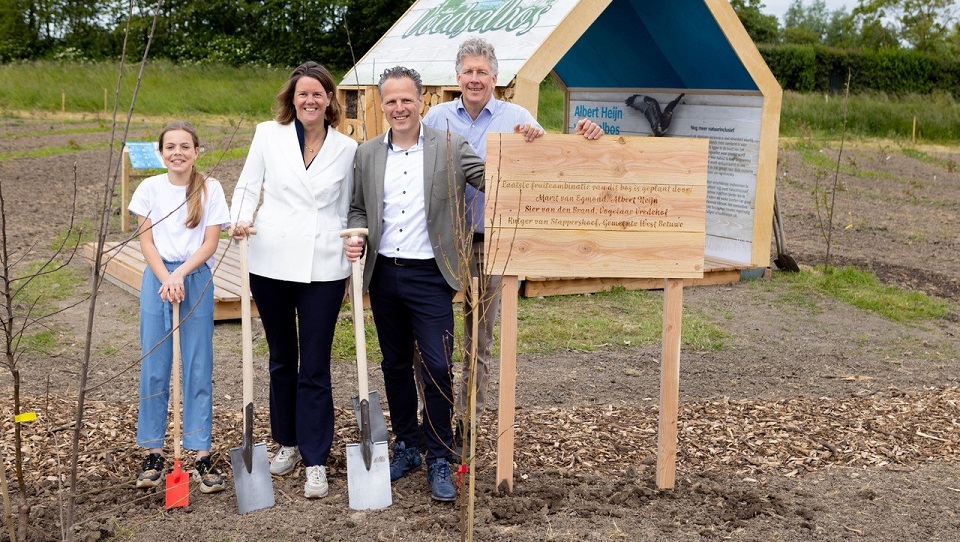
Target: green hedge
<point>816,68</point>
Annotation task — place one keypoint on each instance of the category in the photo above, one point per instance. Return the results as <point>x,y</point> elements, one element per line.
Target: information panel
<point>730,122</point>
<point>144,155</point>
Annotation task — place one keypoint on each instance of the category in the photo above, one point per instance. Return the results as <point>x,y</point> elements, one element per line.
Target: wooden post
<point>7,511</point>
<point>914,138</point>
<point>545,240</point>
<point>63,101</point>
<point>472,407</point>
<point>508,382</point>
<point>669,383</point>
<point>373,122</point>
<point>124,189</point>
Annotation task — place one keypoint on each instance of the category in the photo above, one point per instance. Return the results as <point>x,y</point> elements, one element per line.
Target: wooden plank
<point>592,206</point>
<point>716,272</point>
<point>552,49</point>
<point>124,267</point>
<point>669,383</point>
<point>766,179</point>
<point>543,287</point>
<point>121,267</point>
<point>630,207</point>
<point>506,416</point>
<point>607,161</point>
<point>602,254</point>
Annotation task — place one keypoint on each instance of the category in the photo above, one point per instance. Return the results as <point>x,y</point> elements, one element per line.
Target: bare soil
<point>815,420</point>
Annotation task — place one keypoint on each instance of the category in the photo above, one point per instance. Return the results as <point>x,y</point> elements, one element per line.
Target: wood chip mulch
<point>748,437</point>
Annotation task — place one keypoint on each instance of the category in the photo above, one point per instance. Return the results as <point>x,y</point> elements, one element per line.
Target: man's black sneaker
<point>404,460</point>
<point>441,485</point>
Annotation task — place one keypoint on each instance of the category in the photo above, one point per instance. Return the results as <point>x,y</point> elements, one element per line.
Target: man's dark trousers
<point>412,303</point>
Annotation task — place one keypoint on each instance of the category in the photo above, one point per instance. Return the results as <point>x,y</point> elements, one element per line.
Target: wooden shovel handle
<point>356,304</point>
<point>251,230</point>
<point>354,232</point>
<point>245,324</point>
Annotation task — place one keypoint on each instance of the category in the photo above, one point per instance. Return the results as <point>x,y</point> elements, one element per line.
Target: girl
<point>180,214</point>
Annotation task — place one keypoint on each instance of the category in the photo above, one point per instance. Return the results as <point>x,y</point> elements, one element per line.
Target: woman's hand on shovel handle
<point>353,243</point>
<point>353,247</point>
<point>242,229</point>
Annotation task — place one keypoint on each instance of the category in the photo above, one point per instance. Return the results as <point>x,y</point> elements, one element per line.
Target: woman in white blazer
<point>303,168</point>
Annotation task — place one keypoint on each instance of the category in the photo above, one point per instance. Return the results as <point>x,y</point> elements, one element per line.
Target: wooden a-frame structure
<point>601,52</point>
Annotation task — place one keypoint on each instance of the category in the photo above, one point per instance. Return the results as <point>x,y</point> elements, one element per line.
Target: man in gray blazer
<point>409,191</point>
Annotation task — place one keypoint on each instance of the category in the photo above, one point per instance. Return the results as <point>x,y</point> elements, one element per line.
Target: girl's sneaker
<point>211,481</point>
<point>152,472</point>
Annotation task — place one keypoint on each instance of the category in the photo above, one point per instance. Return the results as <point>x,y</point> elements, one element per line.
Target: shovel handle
<point>175,376</point>
<point>354,232</point>
<point>356,304</point>
<point>251,230</point>
<point>245,324</point>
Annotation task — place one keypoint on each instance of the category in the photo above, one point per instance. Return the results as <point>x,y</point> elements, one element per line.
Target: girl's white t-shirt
<point>157,197</point>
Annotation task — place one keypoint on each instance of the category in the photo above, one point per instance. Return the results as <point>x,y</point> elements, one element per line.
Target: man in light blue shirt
<point>473,115</point>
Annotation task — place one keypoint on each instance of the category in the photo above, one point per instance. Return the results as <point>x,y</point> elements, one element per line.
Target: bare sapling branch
<point>106,205</point>
<point>836,173</point>
<point>22,311</point>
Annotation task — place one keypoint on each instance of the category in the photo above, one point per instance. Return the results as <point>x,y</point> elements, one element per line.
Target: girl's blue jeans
<point>196,347</point>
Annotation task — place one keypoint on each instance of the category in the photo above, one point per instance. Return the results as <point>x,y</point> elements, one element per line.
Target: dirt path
<point>814,421</point>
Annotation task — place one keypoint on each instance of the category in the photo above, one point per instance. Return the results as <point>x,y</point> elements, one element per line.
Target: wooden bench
<point>124,268</point>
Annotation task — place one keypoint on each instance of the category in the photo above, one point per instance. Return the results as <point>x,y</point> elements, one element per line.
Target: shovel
<point>251,469</point>
<point>784,261</point>
<point>178,482</point>
<point>368,463</point>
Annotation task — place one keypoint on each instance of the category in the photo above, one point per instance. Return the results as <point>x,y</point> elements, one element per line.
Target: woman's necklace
<point>315,144</point>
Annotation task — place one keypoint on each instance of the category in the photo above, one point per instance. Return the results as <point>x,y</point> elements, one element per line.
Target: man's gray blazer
<point>447,166</point>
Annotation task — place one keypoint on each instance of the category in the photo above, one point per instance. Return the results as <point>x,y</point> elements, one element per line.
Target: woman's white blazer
<point>303,210</point>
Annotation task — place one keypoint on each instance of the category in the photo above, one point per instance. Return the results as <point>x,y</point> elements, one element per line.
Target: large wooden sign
<point>617,207</point>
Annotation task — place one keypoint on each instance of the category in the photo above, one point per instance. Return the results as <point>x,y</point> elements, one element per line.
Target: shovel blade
<point>178,487</point>
<point>246,447</point>
<point>254,487</point>
<point>378,425</point>
<point>368,489</point>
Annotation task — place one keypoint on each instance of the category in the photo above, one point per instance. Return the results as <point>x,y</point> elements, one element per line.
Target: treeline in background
<point>234,32</point>
<point>229,57</point>
<point>893,46</point>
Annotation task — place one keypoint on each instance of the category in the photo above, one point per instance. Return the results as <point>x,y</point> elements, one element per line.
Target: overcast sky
<point>779,7</point>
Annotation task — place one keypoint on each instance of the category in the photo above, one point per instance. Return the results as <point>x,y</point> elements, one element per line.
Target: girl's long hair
<point>197,187</point>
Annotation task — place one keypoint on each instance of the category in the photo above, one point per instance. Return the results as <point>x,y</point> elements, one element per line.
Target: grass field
<point>169,90</point>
